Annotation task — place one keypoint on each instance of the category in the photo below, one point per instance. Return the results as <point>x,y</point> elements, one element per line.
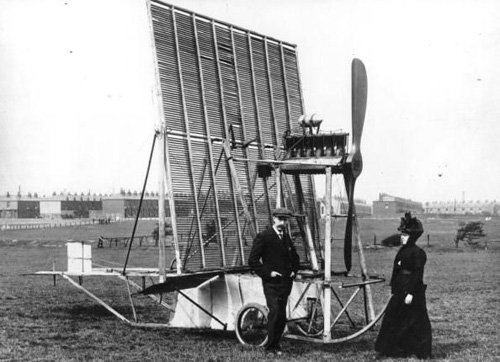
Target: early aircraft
<point>230,150</point>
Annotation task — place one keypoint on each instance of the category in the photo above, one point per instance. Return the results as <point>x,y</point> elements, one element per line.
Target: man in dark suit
<point>275,260</point>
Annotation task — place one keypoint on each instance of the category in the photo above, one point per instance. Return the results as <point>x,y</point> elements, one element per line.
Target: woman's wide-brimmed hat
<point>411,225</point>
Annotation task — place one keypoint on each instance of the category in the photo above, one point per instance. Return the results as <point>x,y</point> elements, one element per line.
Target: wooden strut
<point>135,324</point>
<point>306,226</point>
<point>328,257</point>
<point>312,184</point>
<point>270,87</point>
<point>131,300</point>
<point>303,226</point>
<point>199,306</point>
<point>185,117</point>
<point>112,310</point>
<point>152,296</point>
<point>342,339</point>
<point>344,307</point>
<point>203,309</point>
<point>191,236</point>
<point>243,130</point>
<point>220,22</point>
<point>165,184</point>
<point>206,123</point>
<point>226,135</point>
<point>279,192</point>
<point>239,190</point>
<point>369,309</point>
<point>259,124</point>
<point>98,300</point>
<point>162,178</point>
<point>188,255</point>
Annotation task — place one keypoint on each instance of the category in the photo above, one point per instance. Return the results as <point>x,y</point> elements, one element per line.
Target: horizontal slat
<point>205,83</point>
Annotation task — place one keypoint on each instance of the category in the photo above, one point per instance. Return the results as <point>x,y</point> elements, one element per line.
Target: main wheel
<point>348,313</point>
<point>251,324</point>
<point>312,324</point>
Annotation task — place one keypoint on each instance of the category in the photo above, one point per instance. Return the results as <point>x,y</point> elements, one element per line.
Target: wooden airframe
<point>228,101</point>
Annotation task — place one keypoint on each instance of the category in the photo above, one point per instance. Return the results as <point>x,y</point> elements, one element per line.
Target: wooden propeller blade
<point>354,161</point>
<point>350,181</point>
<point>359,89</point>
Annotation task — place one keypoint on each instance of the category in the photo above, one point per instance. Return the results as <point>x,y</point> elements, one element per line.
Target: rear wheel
<point>251,324</point>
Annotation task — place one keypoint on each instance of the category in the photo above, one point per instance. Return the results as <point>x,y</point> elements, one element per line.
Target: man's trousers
<point>276,292</point>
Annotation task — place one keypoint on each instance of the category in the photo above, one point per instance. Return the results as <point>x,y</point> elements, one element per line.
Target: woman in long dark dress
<point>406,329</point>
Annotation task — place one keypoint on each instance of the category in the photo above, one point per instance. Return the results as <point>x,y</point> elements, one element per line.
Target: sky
<point>77,109</point>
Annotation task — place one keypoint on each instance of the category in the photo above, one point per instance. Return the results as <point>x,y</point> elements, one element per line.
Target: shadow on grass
<point>300,348</point>
<point>444,350</point>
<point>208,333</point>
<point>93,312</point>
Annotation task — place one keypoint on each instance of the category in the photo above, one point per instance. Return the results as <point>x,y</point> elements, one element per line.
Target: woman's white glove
<point>408,299</point>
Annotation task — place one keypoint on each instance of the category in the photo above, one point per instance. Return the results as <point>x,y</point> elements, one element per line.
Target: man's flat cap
<point>282,212</point>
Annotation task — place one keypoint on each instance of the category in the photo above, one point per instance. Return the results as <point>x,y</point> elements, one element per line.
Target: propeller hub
<point>354,163</point>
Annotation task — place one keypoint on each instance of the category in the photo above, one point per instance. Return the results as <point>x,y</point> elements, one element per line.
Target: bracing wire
<point>140,203</point>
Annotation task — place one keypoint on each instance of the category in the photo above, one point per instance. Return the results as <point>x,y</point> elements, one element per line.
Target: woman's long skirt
<point>406,329</point>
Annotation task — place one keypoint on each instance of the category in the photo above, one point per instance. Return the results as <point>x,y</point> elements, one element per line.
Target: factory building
<point>19,208</point>
<point>487,208</point>
<point>392,206</point>
<point>67,206</point>
<point>340,206</point>
<point>126,206</point>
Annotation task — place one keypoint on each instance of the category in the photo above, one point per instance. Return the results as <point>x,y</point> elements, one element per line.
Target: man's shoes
<point>275,351</point>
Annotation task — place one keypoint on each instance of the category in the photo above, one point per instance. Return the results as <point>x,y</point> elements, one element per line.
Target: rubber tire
<point>241,314</point>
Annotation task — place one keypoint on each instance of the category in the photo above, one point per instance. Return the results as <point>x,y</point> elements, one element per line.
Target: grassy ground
<point>40,322</point>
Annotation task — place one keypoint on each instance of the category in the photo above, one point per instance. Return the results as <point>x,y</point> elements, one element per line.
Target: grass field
<point>40,322</point>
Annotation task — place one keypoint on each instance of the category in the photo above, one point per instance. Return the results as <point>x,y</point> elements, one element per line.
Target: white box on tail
<point>79,258</point>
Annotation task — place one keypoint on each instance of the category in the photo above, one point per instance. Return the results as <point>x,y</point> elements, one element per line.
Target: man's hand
<point>292,275</point>
<point>408,299</point>
<point>275,274</point>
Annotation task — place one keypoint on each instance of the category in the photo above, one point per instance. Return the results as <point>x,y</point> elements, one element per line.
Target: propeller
<point>354,161</point>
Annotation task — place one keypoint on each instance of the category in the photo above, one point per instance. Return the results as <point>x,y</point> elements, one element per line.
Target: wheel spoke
<point>251,325</point>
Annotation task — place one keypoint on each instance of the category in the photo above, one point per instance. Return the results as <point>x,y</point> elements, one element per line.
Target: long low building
<point>13,208</point>
<point>68,208</point>
<point>487,208</point>
<point>127,206</point>
<point>340,206</point>
<point>123,205</point>
<point>391,206</point>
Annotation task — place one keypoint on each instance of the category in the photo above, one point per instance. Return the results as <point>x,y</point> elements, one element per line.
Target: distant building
<point>126,206</point>
<point>19,207</point>
<point>388,205</point>
<point>488,208</point>
<point>8,208</point>
<point>50,208</point>
<point>340,206</point>
<point>69,207</point>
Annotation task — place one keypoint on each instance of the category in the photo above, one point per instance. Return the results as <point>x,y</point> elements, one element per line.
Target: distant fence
<point>124,240</point>
<point>49,225</point>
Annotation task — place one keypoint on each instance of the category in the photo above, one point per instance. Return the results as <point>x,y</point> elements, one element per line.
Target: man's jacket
<point>270,253</point>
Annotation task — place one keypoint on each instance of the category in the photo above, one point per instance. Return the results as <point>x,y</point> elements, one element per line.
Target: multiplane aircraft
<point>234,142</point>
